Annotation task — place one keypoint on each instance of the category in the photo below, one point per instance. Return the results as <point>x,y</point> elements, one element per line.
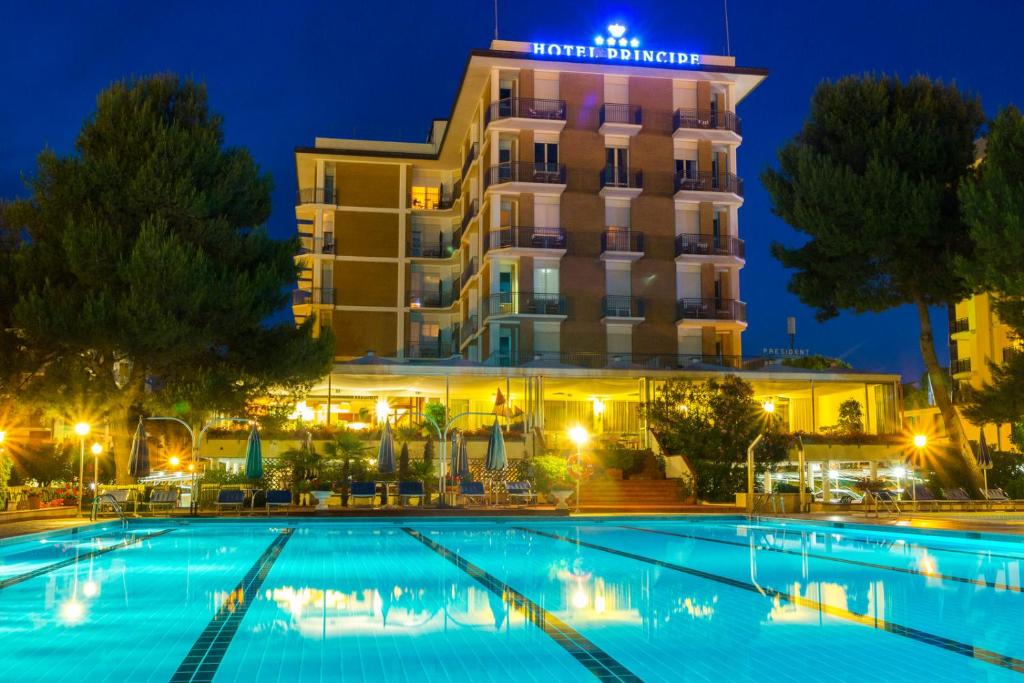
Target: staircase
<point>632,495</point>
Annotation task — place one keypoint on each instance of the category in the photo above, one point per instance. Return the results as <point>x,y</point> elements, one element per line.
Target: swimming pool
<point>702,598</point>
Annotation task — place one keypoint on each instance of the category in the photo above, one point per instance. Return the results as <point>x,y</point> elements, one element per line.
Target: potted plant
<point>35,499</point>
<point>616,462</point>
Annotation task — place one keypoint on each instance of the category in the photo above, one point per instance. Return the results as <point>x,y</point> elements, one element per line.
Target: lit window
<point>425,197</point>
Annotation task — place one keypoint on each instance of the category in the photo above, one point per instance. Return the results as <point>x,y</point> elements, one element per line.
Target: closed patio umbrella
<point>386,450</point>
<point>254,456</point>
<point>460,460</point>
<point>984,458</point>
<point>496,457</point>
<point>138,460</point>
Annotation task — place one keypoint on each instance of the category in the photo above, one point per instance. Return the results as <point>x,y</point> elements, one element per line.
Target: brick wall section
<point>357,332</point>
<point>653,213</point>
<point>370,185</point>
<point>582,213</point>
<point>365,283</point>
<point>362,233</point>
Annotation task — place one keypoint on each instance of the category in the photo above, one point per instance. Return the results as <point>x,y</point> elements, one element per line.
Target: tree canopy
<point>872,180</point>
<point>145,276</point>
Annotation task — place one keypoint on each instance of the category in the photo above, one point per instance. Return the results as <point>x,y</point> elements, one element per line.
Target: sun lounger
<point>473,492</point>
<point>362,490</point>
<point>230,498</point>
<point>958,495</point>
<point>278,498</point>
<point>920,494</point>
<point>120,497</point>
<point>520,492</point>
<point>998,497</point>
<point>408,490</point>
<point>163,498</point>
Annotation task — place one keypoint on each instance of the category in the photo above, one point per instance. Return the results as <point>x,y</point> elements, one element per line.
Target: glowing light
<point>96,448</point>
<point>90,589</point>
<point>617,30</point>
<point>622,42</point>
<point>72,611</point>
<point>634,43</point>
<point>900,472</point>
<point>382,409</point>
<point>578,435</point>
<point>579,598</point>
<point>598,406</point>
<point>768,406</point>
<point>599,603</point>
<point>920,441</point>
<point>599,40</point>
<point>82,428</point>
<point>302,412</point>
<point>174,461</point>
<point>191,467</point>
<point>3,436</point>
<point>358,426</point>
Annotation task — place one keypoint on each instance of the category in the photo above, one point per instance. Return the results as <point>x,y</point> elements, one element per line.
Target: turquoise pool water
<point>708,598</point>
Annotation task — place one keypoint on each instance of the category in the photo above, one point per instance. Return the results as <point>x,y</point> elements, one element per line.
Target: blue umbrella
<point>496,458</point>
<point>138,459</point>
<point>386,451</point>
<point>984,458</point>
<point>254,456</point>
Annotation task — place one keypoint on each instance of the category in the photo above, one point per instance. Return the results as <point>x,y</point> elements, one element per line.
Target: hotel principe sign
<point>616,47</point>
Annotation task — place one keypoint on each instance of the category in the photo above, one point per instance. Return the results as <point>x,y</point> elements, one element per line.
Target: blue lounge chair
<point>520,492</point>
<point>919,493</point>
<point>278,498</point>
<point>998,496</point>
<point>230,498</point>
<point>473,492</point>
<point>362,490</point>
<point>163,498</point>
<point>410,489</point>
<point>958,495</point>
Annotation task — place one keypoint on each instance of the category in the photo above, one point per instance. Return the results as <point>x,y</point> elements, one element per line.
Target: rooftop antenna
<point>495,19</point>
<point>725,7</point>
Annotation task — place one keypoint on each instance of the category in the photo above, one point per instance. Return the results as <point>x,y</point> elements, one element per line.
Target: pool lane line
<point>842,560</point>
<point>955,646</point>
<point>593,658</point>
<point>20,578</point>
<point>204,658</point>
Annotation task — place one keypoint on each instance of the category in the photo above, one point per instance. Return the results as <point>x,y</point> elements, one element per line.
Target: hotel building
<point>570,235</point>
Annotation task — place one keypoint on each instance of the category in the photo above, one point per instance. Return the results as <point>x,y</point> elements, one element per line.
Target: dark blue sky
<point>283,73</point>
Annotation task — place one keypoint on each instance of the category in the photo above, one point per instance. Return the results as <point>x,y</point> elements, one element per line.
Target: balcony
<point>621,245</point>
<point>471,154</point>
<point>524,304</point>
<point>594,360</point>
<point>429,349</point>
<point>621,183</point>
<point>706,124</point>
<point>525,176</point>
<point>317,195</point>
<point>545,240</point>
<point>961,366</point>
<point>960,325</point>
<point>715,310</point>
<point>622,309</point>
<point>620,119</point>
<point>469,329</point>
<point>443,200</point>
<point>436,298</point>
<point>709,247</point>
<point>707,182</point>
<point>526,113</point>
<point>437,247</point>
<point>320,295</point>
<point>467,273</point>
<point>471,211</point>
<point>316,245</point>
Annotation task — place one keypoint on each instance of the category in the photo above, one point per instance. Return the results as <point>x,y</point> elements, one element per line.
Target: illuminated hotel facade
<point>572,230</point>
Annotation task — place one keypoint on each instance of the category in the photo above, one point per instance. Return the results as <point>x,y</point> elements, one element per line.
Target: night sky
<point>283,73</point>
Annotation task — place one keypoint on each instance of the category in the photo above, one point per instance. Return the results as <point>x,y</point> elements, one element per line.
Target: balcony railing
<point>467,273</point>
<point>705,181</point>
<point>961,365</point>
<point>524,303</point>
<point>960,325</point>
<point>709,245</point>
<point>622,240</point>
<point>526,108</point>
<point>317,195</point>
<point>622,307</point>
<point>711,309</point>
<point>471,153</point>
<point>429,349</point>
<point>525,172</point>
<point>316,245</point>
<point>589,359</point>
<point>621,177</point>
<point>446,197</point>
<point>470,328</point>
<point>706,119</point>
<point>430,299</point>
<point>524,238</point>
<point>435,247</point>
<point>621,113</point>
<point>471,210</point>
<point>319,295</point>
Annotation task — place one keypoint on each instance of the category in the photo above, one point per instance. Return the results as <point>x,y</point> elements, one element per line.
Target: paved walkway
<point>984,522</point>
<point>32,526</point>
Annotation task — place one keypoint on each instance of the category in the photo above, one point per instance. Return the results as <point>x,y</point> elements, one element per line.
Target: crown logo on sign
<point>616,36</point>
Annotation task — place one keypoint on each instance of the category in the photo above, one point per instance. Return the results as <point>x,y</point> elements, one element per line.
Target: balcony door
<point>328,197</point>
<point>617,166</point>
<point>506,290</point>
<point>545,157</point>
<point>508,345</point>
<point>506,153</point>
<point>506,95</point>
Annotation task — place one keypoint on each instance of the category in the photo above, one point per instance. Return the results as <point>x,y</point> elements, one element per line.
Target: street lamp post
<point>769,409</point>
<point>82,430</point>
<point>920,442</point>
<point>96,449</point>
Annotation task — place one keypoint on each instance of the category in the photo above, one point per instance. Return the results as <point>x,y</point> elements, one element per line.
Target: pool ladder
<point>113,504</point>
<point>877,505</point>
<point>772,503</point>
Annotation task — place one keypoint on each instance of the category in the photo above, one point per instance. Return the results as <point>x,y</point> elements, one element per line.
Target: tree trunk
<point>121,432</point>
<point>950,417</point>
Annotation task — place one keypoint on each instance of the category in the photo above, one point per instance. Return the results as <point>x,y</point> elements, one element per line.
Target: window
<point>545,85</point>
<point>546,338</point>
<point>616,215</point>
<point>620,340</point>
<point>616,90</point>
<point>690,343</point>
<point>617,279</point>
<point>686,168</point>
<point>328,184</point>
<point>546,212</point>
<point>616,166</point>
<point>545,280</point>
<point>688,220</point>
<point>425,197</point>
<point>508,213</point>
<point>328,231</point>
<point>546,153</point>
